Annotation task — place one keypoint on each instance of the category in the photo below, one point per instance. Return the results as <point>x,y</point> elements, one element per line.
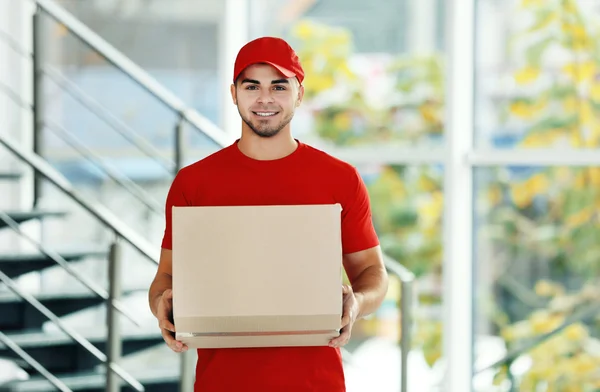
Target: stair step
<point>19,314</point>
<point>23,216</point>
<point>9,175</point>
<point>58,353</point>
<point>16,264</point>
<point>165,379</point>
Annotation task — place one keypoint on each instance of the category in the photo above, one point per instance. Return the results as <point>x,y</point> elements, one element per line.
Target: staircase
<point>41,329</point>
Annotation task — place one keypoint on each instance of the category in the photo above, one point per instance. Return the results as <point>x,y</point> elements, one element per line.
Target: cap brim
<point>284,71</point>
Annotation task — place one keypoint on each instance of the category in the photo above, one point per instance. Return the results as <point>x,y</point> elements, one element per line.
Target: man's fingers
<point>173,344</point>
<point>169,339</point>
<point>345,320</point>
<point>345,289</point>
<point>340,340</point>
<point>166,324</point>
<point>168,294</point>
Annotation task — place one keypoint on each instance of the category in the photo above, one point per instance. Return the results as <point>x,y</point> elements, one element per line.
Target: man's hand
<point>349,315</point>
<point>164,314</point>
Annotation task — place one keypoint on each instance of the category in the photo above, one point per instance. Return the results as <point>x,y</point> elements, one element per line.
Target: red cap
<point>269,50</point>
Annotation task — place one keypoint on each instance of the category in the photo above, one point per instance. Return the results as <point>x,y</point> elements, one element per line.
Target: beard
<point>266,128</point>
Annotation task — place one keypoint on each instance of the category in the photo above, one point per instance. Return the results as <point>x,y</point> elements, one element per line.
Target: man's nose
<point>265,96</point>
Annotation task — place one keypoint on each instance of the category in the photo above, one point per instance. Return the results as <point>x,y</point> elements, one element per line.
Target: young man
<point>267,166</point>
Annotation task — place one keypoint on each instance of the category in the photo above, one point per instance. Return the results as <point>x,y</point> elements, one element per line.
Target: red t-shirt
<point>307,176</point>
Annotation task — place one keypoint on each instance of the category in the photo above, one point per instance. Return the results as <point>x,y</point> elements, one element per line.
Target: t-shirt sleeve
<point>175,197</point>
<point>358,232</point>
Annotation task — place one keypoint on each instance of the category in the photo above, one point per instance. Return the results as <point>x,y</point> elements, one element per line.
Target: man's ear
<point>233,94</point>
<point>300,95</point>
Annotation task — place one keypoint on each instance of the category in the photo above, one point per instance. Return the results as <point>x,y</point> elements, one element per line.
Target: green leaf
<point>535,52</point>
<point>404,216</point>
<point>554,123</point>
<point>542,20</point>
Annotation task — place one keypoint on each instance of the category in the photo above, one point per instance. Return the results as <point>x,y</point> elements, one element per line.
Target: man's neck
<point>267,148</point>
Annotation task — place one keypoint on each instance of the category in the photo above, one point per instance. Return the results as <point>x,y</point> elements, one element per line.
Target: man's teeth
<point>265,114</point>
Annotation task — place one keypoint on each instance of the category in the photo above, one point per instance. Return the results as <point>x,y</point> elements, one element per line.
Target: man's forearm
<point>370,288</point>
<point>161,283</point>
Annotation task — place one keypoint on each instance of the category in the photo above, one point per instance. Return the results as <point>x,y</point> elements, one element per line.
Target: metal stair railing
<point>33,363</point>
<point>135,73</point>
<point>585,314</point>
<point>406,305</point>
<point>59,260</point>
<point>68,137</point>
<point>86,344</point>
<point>121,232</point>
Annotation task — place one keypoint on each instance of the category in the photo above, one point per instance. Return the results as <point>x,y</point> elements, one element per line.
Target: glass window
<point>407,205</point>
<point>537,74</point>
<point>537,248</point>
<point>374,72</point>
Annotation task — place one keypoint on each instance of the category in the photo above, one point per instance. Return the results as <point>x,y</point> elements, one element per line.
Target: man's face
<point>266,99</point>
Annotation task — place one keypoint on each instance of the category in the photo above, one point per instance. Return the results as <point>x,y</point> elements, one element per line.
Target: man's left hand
<point>349,315</point>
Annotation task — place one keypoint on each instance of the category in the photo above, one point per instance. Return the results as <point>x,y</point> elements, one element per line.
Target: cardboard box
<point>257,276</point>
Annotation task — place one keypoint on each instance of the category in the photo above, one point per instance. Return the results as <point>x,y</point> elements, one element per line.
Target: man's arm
<point>368,277</point>
<point>368,287</point>
<point>160,296</point>
<point>162,281</point>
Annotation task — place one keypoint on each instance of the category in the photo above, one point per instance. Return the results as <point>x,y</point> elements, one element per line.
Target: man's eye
<point>280,88</point>
<point>251,87</point>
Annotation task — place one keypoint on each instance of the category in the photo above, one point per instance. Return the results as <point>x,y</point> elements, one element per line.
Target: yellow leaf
<point>521,109</point>
<point>577,31</point>
<point>538,184</point>
<point>531,3</point>
<point>541,322</point>
<point>429,113</point>
<point>580,72</point>
<point>580,182</point>
<point>594,175</point>
<point>544,288</point>
<point>521,195</point>
<point>303,30</point>
<point>570,104</point>
<point>595,92</point>
<point>343,121</point>
<point>563,174</point>
<point>570,6</point>
<point>586,112</point>
<point>579,218</point>
<point>576,332</point>
<point>527,75</point>
<point>494,195</point>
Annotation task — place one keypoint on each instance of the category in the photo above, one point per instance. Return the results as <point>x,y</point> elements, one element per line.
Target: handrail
<point>89,103</point>
<point>72,333</point>
<point>58,259</point>
<point>33,363</point>
<point>582,315</point>
<point>97,210</point>
<point>69,138</point>
<point>125,182</point>
<point>108,118</point>
<point>407,279</point>
<point>134,72</point>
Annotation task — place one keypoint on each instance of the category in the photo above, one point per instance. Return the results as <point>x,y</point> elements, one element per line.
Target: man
<point>267,166</point>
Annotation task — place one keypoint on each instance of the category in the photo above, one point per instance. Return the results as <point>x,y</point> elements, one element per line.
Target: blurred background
<point>101,101</point>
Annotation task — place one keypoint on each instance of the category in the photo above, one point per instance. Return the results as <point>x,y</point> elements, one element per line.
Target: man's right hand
<point>164,314</point>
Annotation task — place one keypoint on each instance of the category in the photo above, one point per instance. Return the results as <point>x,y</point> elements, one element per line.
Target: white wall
<point>15,122</point>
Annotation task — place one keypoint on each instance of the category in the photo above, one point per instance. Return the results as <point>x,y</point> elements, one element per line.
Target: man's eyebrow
<point>253,81</point>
